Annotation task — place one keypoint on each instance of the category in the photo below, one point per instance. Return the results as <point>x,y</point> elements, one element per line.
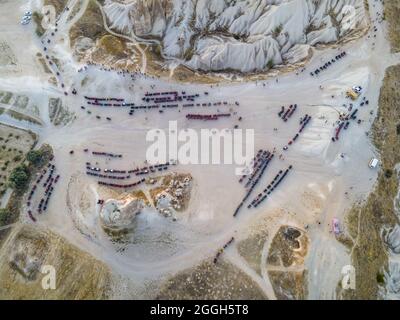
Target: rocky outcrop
<point>173,194</point>
<point>120,214</point>
<point>237,35</point>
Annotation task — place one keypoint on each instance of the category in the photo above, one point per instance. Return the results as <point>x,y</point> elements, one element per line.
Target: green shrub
<point>19,178</point>
<point>380,278</point>
<point>388,173</point>
<point>4,215</point>
<point>37,18</point>
<point>36,157</point>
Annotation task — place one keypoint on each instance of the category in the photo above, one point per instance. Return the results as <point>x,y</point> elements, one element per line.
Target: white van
<point>373,163</point>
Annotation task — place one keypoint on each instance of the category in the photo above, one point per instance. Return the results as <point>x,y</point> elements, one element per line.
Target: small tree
<point>4,214</point>
<point>277,30</point>
<point>35,157</point>
<point>19,178</point>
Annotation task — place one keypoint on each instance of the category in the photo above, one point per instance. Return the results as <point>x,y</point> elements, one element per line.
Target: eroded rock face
<point>393,239</point>
<point>392,279</point>
<point>120,214</point>
<point>237,35</point>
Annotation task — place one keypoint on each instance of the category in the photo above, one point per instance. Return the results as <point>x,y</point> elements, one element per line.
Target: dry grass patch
<point>367,220</point>
<point>78,274</point>
<point>392,14</point>
<point>289,285</point>
<point>251,249</point>
<point>90,25</point>
<point>59,5</point>
<point>211,281</point>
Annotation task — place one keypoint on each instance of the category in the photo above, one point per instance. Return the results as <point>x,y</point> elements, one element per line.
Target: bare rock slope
<point>239,35</point>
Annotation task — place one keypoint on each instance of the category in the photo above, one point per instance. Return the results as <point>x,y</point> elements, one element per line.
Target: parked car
<point>335,226</point>
<point>373,163</point>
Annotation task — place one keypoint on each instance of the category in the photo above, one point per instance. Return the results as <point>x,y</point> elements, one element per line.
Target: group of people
<point>171,96</point>
<point>303,123</point>
<point>104,176</point>
<point>285,115</point>
<point>107,154</point>
<point>326,65</point>
<point>344,121</point>
<point>150,169</point>
<point>138,171</point>
<point>205,104</point>
<point>104,99</point>
<point>133,108</point>
<point>46,42</point>
<point>108,102</point>
<point>220,251</point>
<point>270,188</point>
<point>124,72</point>
<point>115,171</point>
<point>121,185</point>
<point>126,174</point>
<point>49,188</point>
<point>168,106</point>
<point>154,106</point>
<point>206,117</point>
<point>344,124</point>
<point>155,100</point>
<point>253,163</point>
<point>261,156</point>
<point>263,159</point>
<point>48,191</point>
<point>103,104</point>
